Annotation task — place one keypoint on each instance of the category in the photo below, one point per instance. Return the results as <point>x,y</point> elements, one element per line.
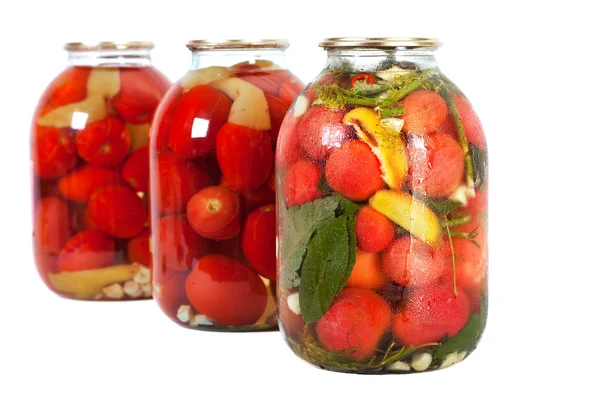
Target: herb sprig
<point>383,96</point>
<point>341,360</point>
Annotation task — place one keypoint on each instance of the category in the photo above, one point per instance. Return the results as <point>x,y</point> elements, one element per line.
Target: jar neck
<point>111,58</point>
<point>371,59</point>
<point>205,58</point>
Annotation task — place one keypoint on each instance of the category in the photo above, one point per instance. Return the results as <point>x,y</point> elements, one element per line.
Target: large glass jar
<point>212,182</point>
<point>382,184</point>
<point>89,155</point>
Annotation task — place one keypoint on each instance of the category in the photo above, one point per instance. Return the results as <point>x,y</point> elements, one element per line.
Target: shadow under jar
<point>213,189</point>
<point>382,213</point>
<point>89,155</point>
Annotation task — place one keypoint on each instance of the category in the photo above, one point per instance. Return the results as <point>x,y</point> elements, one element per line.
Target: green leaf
<point>347,206</point>
<point>351,228</point>
<point>479,157</point>
<point>441,207</point>
<point>326,268</point>
<point>300,223</point>
<point>468,337</point>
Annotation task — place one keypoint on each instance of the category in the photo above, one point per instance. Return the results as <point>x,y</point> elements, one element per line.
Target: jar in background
<point>212,180</point>
<point>89,156</point>
<point>382,211</point>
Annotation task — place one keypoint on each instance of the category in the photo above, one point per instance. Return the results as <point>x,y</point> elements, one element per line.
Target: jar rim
<point>109,45</point>
<point>380,42</point>
<point>237,44</point>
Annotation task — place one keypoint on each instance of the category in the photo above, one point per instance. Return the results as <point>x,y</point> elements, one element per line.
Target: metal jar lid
<point>380,42</point>
<point>109,45</point>
<point>235,44</point>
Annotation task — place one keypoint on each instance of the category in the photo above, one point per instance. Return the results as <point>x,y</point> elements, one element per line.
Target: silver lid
<point>380,42</point>
<point>109,45</point>
<point>237,44</point>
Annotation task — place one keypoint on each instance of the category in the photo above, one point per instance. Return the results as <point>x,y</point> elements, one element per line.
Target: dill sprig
<point>383,96</point>
<point>341,359</point>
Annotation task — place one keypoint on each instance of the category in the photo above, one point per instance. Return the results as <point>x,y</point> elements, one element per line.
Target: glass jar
<point>382,206</point>
<point>212,181</point>
<point>89,156</point>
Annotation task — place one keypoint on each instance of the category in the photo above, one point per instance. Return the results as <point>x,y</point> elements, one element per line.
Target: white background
<point>530,69</point>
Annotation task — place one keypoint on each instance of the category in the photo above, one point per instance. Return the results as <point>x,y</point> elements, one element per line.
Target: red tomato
<point>177,182</point>
<point>410,262</point>
<point>138,249</point>
<point>436,164</point>
<point>138,97</point>
<point>214,213</point>
<point>169,292</point>
<point>117,211</point>
<point>176,245</point>
<point>78,185</point>
<point>136,169</point>
<point>52,225</point>
<point>425,111</point>
<point>322,131</point>
<point>226,291</point>
<point>258,241</point>
<point>104,143</point>
<point>301,183</point>
<point>86,250</point>
<point>163,118</point>
<point>70,86</point>
<point>290,89</point>
<point>245,156</point>
<point>355,323</point>
<point>470,121</point>
<point>197,119</point>
<point>288,146</point>
<point>277,110</point>
<point>53,152</point>
<point>374,231</point>
<point>430,313</point>
<point>470,262</point>
<point>353,171</point>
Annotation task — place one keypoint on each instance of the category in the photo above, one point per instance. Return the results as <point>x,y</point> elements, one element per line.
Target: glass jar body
<point>382,211</point>
<point>213,194</point>
<point>89,156</point>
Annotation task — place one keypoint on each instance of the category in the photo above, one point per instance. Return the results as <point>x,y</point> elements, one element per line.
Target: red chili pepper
<point>362,76</point>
